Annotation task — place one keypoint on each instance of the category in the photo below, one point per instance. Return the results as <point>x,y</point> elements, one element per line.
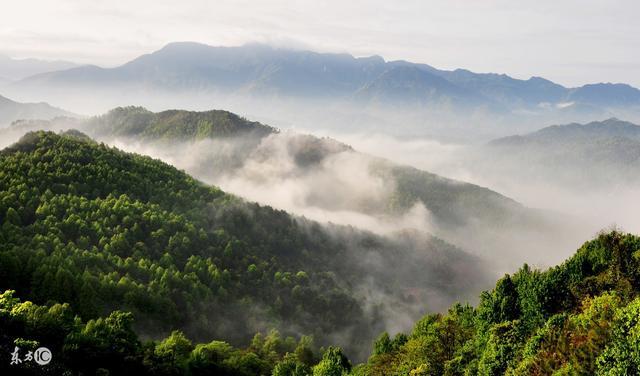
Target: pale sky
<point>572,42</point>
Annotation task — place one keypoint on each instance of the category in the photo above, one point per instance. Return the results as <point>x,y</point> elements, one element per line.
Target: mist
<point>345,178</point>
<point>570,191</point>
<point>330,182</point>
<point>337,114</point>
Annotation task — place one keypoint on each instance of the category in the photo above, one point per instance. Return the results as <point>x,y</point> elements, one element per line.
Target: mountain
<point>594,131</point>
<point>452,202</point>
<point>174,125</point>
<point>17,69</point>
<point>326,180</point>
<point>507,90</point>
<point>584,155</point>
<point>11,111</point>
<point>250,68</point>
<point>409,84</point>
<point>260,70</point>
<point>605,94</point>
<point>444,197</point>
<point>103,230</point>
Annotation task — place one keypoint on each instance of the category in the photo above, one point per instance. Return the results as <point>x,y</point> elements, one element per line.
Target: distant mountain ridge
<point>262,70</point>
<point>588,155</point>
<point>594,131</point>
<point>11,111</point>
<point>16,69</point>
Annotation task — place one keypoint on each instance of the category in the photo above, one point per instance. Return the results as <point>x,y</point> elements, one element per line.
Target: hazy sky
<point>569,41</point>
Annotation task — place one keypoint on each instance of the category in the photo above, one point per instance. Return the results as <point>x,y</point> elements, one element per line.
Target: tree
<point>291,366</point>
<point>333,363</point>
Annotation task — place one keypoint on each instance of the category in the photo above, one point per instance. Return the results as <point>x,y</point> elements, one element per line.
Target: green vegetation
<point>579,318</point>
<point>121,264</point>
<point>109,345</point>
<point>87,231</point>
<point>101,230</point>
<point>173,125</point>
<point>454,205</point>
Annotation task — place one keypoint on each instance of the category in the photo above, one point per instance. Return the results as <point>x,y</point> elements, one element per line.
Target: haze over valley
<point>347,200</point>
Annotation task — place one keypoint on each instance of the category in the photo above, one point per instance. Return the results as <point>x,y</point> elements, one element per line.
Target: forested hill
<point>173,125</point>
<point>579,318</point>
<point>218,146</point>
<point>99,229</point>
<point>453,202</point>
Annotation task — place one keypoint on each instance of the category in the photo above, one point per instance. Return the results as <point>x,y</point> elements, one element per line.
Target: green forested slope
<point>100,229</point>
<point>454,204</point>
<point>86,225</point>
<point>579,318</point>
<point>173,125</point>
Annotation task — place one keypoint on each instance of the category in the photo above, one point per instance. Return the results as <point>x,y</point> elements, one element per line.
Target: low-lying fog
<point>346,187</point>
<point>615,204</point>
<point>339,177</point>
<point>342,189</point>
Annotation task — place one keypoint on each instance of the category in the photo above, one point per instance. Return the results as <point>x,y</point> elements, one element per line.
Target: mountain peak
<point>271,71</point>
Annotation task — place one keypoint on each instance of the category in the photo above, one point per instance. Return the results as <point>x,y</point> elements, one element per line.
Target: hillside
<point>103,230</point>
<point>579,318</point>
<point>300,173</point>
<point>11,111</point>
<point>174,125</point>
<point>584,155</point>
<point>446,198</point>
<point>594,131</point>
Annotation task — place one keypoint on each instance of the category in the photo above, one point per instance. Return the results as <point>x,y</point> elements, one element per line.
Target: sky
<point>571,42</point>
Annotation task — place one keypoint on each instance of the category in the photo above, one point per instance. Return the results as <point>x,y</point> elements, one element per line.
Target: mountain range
<point>11,111</point>
<point>17,69</point>
<point>259,70</point>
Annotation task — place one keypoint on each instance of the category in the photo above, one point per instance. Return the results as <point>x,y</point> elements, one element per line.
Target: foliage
<point>174,125</point>
<point>110,346</point>
<point>579,318</point>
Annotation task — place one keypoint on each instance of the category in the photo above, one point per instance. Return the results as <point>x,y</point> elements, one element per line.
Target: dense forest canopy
<point>578,318</point>
<point>98,229</point>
